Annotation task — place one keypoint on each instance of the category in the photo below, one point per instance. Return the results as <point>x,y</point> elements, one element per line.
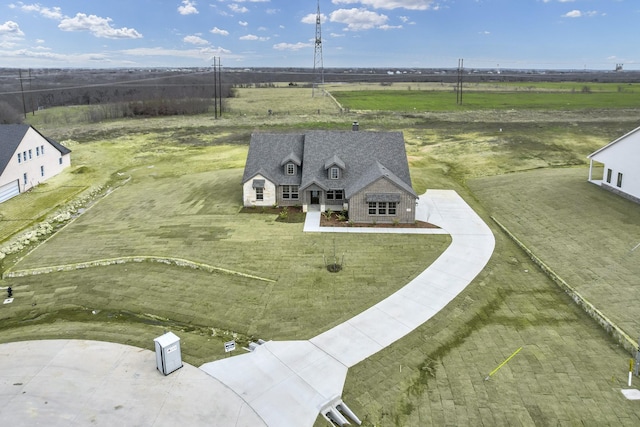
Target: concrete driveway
<point>289,383</point>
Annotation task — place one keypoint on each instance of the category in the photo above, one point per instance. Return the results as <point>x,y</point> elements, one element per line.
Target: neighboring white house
<point>28,158</point>
<point>621,160</point>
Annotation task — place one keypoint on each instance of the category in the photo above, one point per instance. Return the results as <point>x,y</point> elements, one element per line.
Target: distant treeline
<point>112,95</point>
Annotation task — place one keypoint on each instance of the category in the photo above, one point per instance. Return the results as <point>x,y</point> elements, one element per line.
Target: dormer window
<point>290,169</point>
<point>334,172</point>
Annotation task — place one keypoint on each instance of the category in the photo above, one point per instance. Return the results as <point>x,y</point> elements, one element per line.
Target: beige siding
<point>249,193</point>
<point>359,208</point>
<point>38,166</point>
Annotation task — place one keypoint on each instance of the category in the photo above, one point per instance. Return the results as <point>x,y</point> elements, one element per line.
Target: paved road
<point>74,383</point>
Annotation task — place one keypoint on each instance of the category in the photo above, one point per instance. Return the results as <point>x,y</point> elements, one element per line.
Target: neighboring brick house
<point>28,158</point>
<point>364,173</point>
<point>621,161</point>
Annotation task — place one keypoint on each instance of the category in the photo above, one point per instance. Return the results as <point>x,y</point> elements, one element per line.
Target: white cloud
<point>238,9</point>
<point>195,40</point>
<point>51,13</point>
<point>311,18</point>
<point>254,37</point>
<point>358,19</point>
<point>243,23</point>
<point>99,27</point>
<point>10,29</point>
<point>393,4</point>
<point>390,27</point>
<point>579,14</point>
<point>188,8</point>
<point>573,14</point>
<point>218,31</point>
<point>292,46</point>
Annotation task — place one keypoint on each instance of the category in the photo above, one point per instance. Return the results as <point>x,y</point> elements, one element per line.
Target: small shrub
<point>284,214</point>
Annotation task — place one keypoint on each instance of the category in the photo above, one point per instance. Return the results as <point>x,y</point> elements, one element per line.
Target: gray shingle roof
<point>363,156</point>
<point>367,156</point>
<point>267,151</point>
<point>11,137</point>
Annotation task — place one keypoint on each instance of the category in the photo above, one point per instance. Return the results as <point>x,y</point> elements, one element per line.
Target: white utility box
<point>168,355</point>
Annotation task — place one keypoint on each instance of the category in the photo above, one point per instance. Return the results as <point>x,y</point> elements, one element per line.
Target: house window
<point>259,194</point>
<point>19,157</point>
<point>334,173</point>
<point>393,208</point>
<point>42,150</point>
<point>291,169</point>
<point>335,194</point>
<point>24,156</point>
<point>37,151</point>
<point>608,176</point>
<point>619,179</point>
<point>373,208</point>
<point>60,161</point>
<point>383,208</point>
<point>41,170</point>
<point>30,154</point>
<point>24,178</point>
<point>290,192</point>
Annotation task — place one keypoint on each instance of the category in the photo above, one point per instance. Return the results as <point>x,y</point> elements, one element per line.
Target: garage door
<point>9,190</point>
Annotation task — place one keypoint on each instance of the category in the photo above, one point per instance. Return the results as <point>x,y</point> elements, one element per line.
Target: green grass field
<point>183,201</point>
<point>422,101</point>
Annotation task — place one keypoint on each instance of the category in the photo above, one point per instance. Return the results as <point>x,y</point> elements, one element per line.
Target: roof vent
<point>355,126</point>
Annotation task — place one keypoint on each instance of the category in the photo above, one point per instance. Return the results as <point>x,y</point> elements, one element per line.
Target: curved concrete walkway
<point>289,383</point>
<point>66,382</point>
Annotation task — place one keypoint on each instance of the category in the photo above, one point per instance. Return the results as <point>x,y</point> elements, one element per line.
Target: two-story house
<point>28,158</point>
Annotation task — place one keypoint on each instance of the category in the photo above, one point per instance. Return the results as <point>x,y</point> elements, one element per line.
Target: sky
<point>487,34</point>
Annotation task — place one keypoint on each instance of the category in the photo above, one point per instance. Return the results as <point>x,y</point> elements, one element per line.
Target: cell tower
<point>318,66</point>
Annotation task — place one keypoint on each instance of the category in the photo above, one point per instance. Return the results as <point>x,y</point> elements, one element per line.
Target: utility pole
<point>24,105</point>
<point>215,90</point>
<point>459,82</point>
<point>318,66</point>
<point>220,84</point>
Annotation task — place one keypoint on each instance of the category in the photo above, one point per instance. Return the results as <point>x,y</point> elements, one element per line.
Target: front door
<point>315,197</point>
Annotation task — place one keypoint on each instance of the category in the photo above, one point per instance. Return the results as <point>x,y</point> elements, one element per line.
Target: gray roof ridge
<point>376,171</point>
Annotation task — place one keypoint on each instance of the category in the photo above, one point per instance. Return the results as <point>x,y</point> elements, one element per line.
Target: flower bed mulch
<point>333,221</point>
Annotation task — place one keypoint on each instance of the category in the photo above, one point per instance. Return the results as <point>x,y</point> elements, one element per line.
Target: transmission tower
<point>318,66</point>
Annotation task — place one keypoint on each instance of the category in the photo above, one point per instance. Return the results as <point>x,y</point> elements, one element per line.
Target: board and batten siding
<point>622,158</point>
<point>359,207</point>
<point>38,166</point>
<point>269,193</point>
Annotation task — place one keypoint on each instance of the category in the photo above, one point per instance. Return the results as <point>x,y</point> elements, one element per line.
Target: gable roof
<point>601,149</point>
<point>366,156</point>
<point>268,151</point>
<point>10,138</point>
<point>374,173</point>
